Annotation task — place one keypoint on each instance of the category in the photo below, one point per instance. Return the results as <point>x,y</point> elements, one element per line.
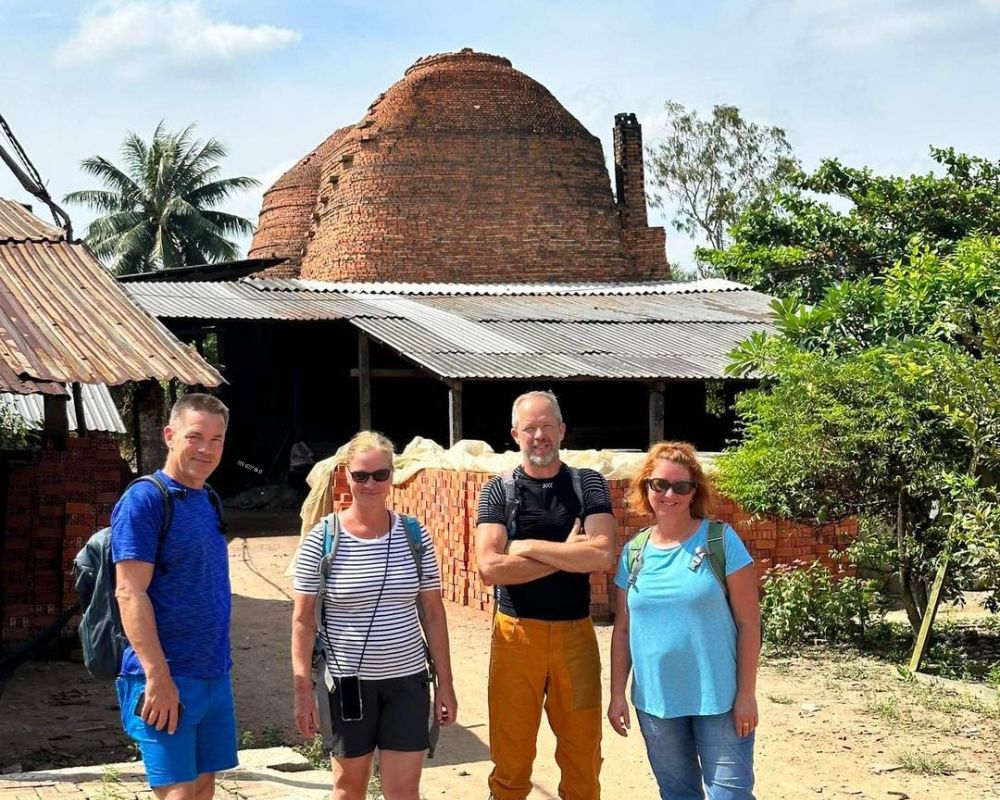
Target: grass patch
<point>923,764</point>
<point>780,699</point>
<point>111,785</point>
<point>314,753</point>
<point>885,707</point>
<point>271,736</point>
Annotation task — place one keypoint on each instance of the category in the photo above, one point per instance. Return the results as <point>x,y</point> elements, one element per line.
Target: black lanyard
<point>371,622</point>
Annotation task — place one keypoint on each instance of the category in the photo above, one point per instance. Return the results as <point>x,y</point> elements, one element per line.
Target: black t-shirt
<point>547,510</point>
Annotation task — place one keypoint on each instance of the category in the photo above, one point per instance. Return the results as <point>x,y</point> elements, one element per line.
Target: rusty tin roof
<point>63,318</point>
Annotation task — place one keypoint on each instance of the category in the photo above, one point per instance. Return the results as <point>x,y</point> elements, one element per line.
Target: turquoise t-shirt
<point>681,631</point>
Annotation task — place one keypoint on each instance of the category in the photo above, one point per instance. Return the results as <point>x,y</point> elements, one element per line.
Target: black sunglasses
<point>380,475</point>
<point>661,485</point>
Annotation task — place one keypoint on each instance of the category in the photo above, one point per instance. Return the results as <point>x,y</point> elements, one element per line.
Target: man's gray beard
<point>543,461</point>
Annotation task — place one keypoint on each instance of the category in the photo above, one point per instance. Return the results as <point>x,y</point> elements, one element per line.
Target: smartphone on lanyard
<point>350,698</point>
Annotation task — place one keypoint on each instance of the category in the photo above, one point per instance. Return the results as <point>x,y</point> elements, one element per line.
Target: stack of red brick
<point>445,501</point>
<point>55,501</point>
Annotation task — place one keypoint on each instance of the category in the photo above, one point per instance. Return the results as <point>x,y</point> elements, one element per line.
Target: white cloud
<point>859,24</point>
<point>148,32</point>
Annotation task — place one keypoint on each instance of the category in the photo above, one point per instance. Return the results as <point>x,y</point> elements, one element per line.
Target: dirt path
<point>830,727</point>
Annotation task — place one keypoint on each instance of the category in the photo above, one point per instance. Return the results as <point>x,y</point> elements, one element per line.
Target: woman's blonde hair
<point>366,441</point>
<point>680,453</point>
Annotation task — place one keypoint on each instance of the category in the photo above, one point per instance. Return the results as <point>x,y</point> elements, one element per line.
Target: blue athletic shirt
<point>190,589</point>
<point>681,632</point>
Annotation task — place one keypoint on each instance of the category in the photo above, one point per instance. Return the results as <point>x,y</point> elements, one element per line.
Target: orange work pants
<point>555,666</point>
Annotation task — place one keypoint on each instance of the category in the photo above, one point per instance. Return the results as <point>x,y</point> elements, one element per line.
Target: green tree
<point>158,209</point>
<point>882,402</point>
<point>801,244</point>
<point>716,169</point>
<point>13,431</point>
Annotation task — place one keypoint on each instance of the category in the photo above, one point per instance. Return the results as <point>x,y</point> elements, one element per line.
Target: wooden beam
<point>933,601</point>
<point>56,425</point>
<point>81,417</point>
<point>454,412</point>
<point>388,372</point>
<point>364,382</point>
<point>656,412</point>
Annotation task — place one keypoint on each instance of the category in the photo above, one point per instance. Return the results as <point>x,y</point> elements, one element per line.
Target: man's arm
<point>497,566</point>
<point>131,582</point>
<point>593,551</point>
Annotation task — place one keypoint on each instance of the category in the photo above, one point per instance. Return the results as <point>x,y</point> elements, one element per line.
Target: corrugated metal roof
<point>532,332</point>
<point>502,289</point>
<point>19,224</point>
<point>98,408</point>
<point>242,300</point>
<point>63,318</point>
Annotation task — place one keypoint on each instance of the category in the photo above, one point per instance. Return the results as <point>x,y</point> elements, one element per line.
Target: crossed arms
<point>501,561</point>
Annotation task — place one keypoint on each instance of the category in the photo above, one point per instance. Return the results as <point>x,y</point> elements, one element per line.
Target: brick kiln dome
<point>466,170</point>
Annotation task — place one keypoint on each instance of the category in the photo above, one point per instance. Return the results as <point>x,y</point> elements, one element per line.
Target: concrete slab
<point>276,773</point>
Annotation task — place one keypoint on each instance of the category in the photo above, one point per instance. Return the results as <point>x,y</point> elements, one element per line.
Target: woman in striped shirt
<point>372,634</point>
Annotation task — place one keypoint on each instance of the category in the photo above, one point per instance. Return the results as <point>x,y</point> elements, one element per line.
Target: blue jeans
<point>687,752</point>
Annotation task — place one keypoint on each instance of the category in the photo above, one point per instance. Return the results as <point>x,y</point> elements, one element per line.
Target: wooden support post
<point>454,412</point>
<point>56,425</point>
<point>81,417</point>
<point>656,411</point>
<point>364,382</point>
<point>933,601</point>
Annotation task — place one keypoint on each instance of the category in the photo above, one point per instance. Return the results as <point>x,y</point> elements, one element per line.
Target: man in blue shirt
<point>174,595</point>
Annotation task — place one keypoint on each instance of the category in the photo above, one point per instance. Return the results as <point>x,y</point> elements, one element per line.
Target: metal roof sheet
<point>596,331</point>
<point>242,300</point>
<point>740,306</point>
<point>19,224</point>
<point>502,289</point>
<point>63,318</point>
<point>98,408</point>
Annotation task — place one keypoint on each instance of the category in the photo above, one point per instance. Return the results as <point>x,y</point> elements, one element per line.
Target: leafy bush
<point>808,603</point>
<point>13,431</point>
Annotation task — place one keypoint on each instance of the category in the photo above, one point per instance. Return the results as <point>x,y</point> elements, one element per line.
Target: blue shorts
<point>205,739</point>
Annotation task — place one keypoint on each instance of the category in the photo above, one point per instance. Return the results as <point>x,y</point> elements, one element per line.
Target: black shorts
<point>395,716</point>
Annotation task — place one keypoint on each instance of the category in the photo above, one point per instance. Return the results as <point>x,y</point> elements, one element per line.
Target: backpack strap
<point>717,553</point>
<point>415,539</point>
<point>219,510</point>
<point>511,501</point>
<point>574,475</point>
<point>634,556</point>
<point>168,504</point>
<point>331,540</point>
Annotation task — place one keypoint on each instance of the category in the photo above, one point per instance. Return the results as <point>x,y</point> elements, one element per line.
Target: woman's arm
<point>621,665</point>
<point>303,641</point>
<point>743,598</point>
<point>435,624</point>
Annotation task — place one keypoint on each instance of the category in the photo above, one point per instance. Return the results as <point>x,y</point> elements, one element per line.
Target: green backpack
<point>716,554</point>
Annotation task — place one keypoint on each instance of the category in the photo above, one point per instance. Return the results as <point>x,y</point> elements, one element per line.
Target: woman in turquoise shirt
<point>692,651</point>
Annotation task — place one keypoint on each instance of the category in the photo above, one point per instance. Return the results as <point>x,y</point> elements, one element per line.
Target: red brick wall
<point>445,501</point>
<point>54,501</point>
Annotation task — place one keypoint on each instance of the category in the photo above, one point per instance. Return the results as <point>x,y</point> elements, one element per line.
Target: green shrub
<point>808,603</point>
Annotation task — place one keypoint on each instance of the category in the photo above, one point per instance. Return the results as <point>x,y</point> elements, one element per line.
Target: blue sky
<point>872,82</point>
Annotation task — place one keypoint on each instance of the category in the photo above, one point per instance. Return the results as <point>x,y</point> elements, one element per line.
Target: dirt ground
<point>831,726</point>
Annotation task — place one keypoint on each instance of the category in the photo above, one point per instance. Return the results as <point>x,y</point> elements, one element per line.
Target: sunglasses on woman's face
<point>661,485</point>
<point>380,475</point>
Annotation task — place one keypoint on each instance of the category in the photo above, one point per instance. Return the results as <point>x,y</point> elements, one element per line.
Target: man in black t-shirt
<point>544,653</point>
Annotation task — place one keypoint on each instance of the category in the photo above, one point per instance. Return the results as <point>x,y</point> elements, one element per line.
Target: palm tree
<point>157,209</point>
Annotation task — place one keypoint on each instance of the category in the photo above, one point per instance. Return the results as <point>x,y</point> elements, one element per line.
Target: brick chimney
<point>630,183</point>
<point>646,246</point>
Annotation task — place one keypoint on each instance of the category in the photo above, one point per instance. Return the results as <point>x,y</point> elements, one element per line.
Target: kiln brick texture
<point>446,502</point>
<point>466,170</point>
